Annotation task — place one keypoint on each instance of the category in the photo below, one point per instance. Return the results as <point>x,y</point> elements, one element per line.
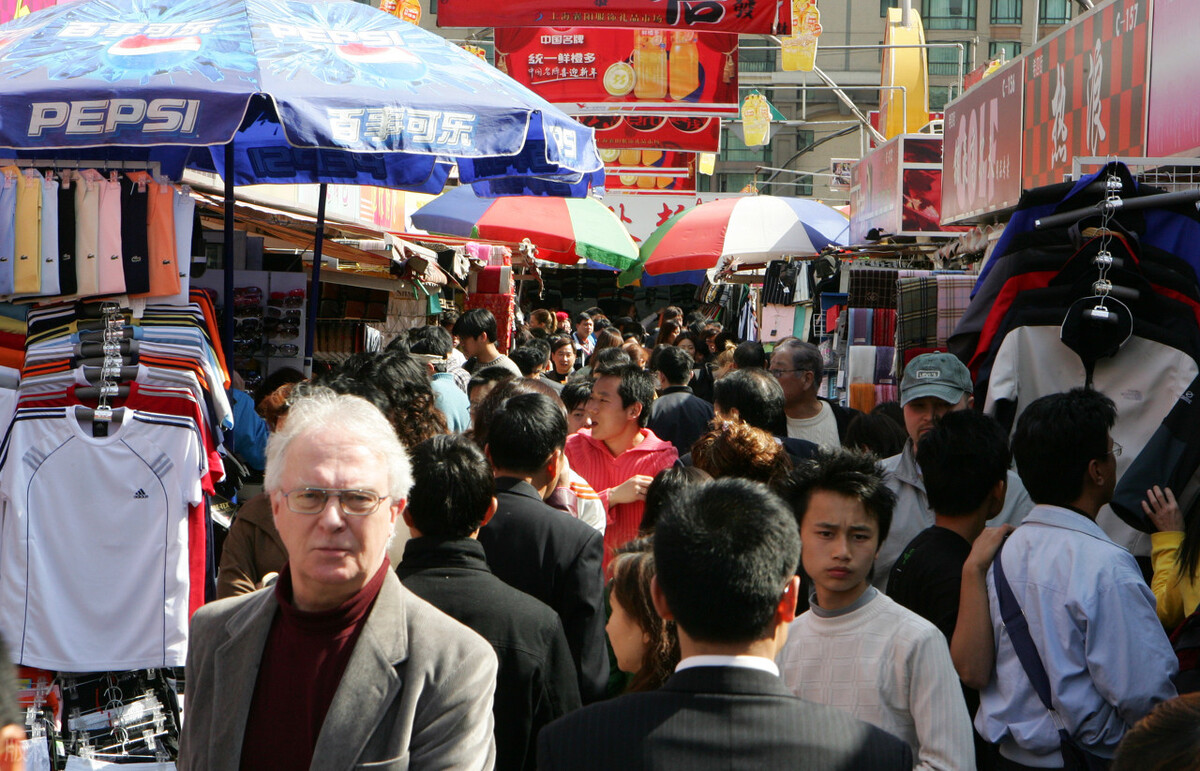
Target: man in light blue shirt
<point>432,344</point>
<point>1090,613</point>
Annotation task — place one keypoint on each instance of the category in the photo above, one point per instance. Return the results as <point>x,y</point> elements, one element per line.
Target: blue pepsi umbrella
<point>281,91</point>
<point>328,91</point>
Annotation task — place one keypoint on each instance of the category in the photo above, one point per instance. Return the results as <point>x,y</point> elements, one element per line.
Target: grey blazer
<point>416,693</point>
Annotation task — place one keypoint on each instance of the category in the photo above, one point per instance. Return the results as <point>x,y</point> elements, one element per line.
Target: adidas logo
<point>140,494</point>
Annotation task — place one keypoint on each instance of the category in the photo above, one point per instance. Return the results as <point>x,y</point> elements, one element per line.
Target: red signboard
<point>744,16</point>
<point>648,171</point>
<point>983,152</point>
<point>1085,91</point>
<point>897,189</point>
<point>656,132</point>
<point>1174,113</point>
<point>623,70</point>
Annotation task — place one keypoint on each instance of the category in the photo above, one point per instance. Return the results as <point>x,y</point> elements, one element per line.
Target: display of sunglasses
<point>289,314</point>
<point>286,333</point>
<point>249,327</point>
<point>289,350</point>
<point>246,347</point>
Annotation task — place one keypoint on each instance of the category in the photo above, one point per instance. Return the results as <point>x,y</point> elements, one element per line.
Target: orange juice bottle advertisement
<point>409,10</point>
<point>685,65</point>
<point>800,48</point>
<point>650,65</point>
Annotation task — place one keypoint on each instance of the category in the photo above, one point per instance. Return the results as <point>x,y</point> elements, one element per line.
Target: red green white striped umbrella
<point>563,229</point>
<point>750,230</point>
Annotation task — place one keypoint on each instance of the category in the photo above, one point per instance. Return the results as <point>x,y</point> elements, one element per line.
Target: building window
<point>938,97</point>
<point>754,56</point>
<point>1006,11</point>
<point>948,14</point>
<point>1010,48</point>
<point>733,149</point>
<point>944,61</point>
<point>884,5</point>
<point>1054,11</point>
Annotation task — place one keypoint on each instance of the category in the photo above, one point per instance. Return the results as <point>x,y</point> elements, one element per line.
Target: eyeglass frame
<point>1116,451</point>
<point>775,373</point>
<point>329,492</point>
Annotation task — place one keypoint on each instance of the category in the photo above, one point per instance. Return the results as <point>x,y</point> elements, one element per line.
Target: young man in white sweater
<point>856,649</point>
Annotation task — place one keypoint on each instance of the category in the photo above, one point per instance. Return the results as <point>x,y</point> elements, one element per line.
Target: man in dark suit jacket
<point>540,550</point>
<point>444,565</point>
<point>725,554</point>
<point>677,415</point>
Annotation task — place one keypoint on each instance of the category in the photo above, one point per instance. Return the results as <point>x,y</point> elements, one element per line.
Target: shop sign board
<point>982,167</point>
<point>1173,124</point>
<point>1085,91</point>
<point>655,132</point>
<point>875,192</point>
<point>649,171</point>
<point>624,70</point>
<point>897,189</point>
<point>762,17</point>
<point>641,214</point>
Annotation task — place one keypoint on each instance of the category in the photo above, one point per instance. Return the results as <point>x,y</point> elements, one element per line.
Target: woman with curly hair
<point>405,383</point>
<point>645,645</point>
<point>732,448</point>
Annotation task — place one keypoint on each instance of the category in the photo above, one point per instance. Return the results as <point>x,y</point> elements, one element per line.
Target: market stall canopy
<point>732,232</point>
<point>563,229</point>
<point>331,91</point>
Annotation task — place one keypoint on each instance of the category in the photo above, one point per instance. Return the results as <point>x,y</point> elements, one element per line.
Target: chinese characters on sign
<point>402,128</point>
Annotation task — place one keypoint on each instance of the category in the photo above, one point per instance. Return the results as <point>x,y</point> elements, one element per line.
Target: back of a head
<point>962,458</point>
<point>848,473</point>
<point>756,395</point>
<point>608,357</point>
<point>430,340</point>
<point>525,432</point>
<point>489,376</point>
<point>447,319</point>
<point>542,317</point>
<point>1057,436</point>
<point>405,382</point>
<point>749,355</point>
<point>489,405</point>
<point>529,359</point>
<point>724,552</point>
<point>476,322</point>
<point>318,410</point>
<point>732,448</point>
<point>877,434</point>
<point>1167,739</point>
<point>667,484</point>
<point>608,338</point>
<point>675,365</point>
<point>452,487</point>
<point>636,386</point>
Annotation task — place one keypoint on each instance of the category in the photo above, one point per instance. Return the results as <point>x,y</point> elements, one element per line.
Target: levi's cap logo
<point>927,374</point>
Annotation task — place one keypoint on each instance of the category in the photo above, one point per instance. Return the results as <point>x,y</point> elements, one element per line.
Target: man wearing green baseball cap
<point>933,384</point>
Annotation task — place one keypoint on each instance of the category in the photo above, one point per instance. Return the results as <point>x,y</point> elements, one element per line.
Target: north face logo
<point>140,494</point>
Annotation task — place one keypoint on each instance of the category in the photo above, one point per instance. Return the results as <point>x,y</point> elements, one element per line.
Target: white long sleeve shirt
<point>887,666</point>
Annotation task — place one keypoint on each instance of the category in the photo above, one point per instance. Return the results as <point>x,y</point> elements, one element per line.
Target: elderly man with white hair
<point>337,666</point>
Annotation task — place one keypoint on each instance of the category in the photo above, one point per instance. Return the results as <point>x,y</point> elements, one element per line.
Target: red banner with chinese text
<point>656,132</point>
<point>762,17</point>
<point>1085,92</point>
<point>624,70</point>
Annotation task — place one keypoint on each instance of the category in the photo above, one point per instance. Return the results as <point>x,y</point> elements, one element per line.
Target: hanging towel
<point>872,288</point>
<point>885,358</point>
<point>917,314</point>
<point>862,397</point>
<point>884,327</point>
<point>953,296</point>
<point>861,365</point>
<point>860,326</point>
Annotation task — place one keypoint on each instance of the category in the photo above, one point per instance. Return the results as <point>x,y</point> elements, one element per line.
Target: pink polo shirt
<point>592,460</point>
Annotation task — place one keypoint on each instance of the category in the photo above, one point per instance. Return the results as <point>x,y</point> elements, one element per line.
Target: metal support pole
<point>227,262</point>
<point>314,288</point>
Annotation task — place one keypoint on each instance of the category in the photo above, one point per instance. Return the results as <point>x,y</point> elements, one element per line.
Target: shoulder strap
<point>1018,632</point>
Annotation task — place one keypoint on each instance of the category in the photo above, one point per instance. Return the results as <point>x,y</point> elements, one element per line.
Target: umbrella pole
<point>227,336</point>
<point>314,293</point>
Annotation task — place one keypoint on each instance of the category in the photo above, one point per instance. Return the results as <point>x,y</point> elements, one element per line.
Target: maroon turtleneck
<point>302,664</point>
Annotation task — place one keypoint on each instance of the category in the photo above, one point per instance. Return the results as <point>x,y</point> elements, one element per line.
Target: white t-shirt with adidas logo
<point>94,539</point>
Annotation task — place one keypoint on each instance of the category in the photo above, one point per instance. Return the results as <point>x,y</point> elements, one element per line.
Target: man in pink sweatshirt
<point>618,455</point>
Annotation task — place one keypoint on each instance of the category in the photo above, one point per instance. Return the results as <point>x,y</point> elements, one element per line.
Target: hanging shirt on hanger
<point>67,283</point>
<point>111,275</point>
<point>185,210</point>
<point>26,272</point>
<point>49,267</point>
<point>135,248</point>
<point>8,232</point>
<point>87,232</point>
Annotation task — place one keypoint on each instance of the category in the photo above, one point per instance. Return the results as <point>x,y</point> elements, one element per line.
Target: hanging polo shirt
<point>160,241</point>
<point>49,268</point>
<point>185,210</point>
<point>67,282</point>
<point>8,232</point>
<point>135,251</point>
<point>87,232</point>
<point>26,274</point>
<point>110,273</point>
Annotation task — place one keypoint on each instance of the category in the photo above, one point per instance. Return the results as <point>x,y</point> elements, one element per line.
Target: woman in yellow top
<point>1175,553</point>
